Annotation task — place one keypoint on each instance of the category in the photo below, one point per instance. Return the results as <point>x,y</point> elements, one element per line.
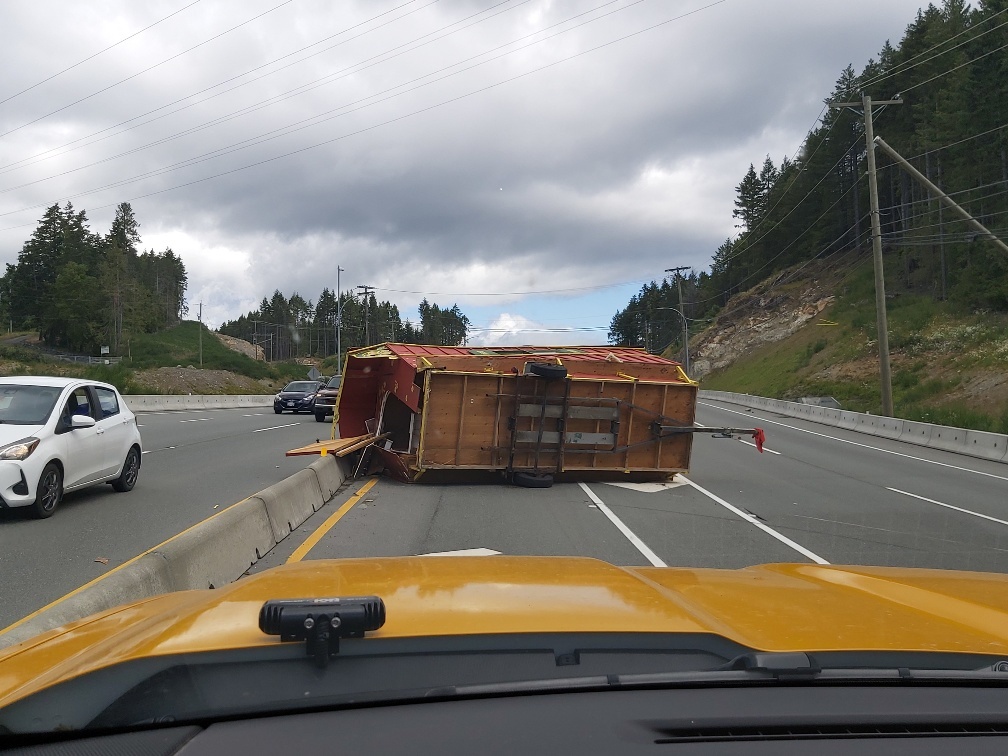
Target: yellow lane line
<point>124,565</point>
<point>302,551</point>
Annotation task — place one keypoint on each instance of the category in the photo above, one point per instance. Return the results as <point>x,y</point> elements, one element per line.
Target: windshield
<point>302,387</point>
<point>641,319</point>
<point>26,404</point>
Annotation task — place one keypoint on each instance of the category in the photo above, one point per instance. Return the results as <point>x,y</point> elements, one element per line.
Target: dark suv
<point>325,399</point>
<point>296,396</point>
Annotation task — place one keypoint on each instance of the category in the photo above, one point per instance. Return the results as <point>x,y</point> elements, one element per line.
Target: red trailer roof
<point>409,353</point>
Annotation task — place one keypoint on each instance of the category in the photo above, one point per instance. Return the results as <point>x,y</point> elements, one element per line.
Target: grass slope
<point>178,346</point>
<point>948,365</point>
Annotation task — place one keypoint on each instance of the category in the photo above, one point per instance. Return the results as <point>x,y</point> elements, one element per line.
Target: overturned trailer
<point>530,412</point>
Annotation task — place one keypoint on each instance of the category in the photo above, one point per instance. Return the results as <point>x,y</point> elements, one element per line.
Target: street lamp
<point>685,324</point>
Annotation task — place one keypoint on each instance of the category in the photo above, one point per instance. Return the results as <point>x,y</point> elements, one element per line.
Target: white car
<point>61,434</point>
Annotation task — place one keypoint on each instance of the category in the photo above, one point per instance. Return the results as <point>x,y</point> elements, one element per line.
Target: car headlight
<point>19,449</point>
<point>276,398</point>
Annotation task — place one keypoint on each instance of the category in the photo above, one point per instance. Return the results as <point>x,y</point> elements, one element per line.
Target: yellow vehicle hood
<point>777,607</point>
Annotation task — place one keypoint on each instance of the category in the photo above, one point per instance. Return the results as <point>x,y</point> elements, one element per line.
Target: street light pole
<point>339,324</point>
<point>682,313</point>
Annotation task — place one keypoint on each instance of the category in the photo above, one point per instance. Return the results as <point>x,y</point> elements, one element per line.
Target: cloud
<point>509,151</point>
<point>509,329</point>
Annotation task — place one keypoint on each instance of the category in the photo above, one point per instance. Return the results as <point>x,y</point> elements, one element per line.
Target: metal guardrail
<point>87,360</point>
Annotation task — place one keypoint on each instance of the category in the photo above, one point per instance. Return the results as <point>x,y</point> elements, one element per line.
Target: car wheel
<point>50,491</point>
<point>320,417</point>
<point>131,469</point>
<point>546,371</point>
<point>532,480</point>
<point>277,410</point>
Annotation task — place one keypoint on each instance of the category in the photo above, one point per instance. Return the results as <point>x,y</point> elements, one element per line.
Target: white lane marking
<point>646,487</point>
<point>289,425</point>
<point>195,420</point>
<point>949,506</point>
<point>750,443</point>
<point>145,452</point>
<point>463,552</point>
<point>855,443</point>
<point>753,521</point>
<point>257,414</point>
<point>631,536</point>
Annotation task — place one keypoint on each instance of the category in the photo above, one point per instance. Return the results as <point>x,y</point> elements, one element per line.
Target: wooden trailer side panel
<point>467,423</point>
<point>459,419</point>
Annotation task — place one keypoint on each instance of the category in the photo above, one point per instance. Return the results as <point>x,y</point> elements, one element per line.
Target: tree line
<point>295,327</point>
<point>951,73</point>
<point>83,290</point>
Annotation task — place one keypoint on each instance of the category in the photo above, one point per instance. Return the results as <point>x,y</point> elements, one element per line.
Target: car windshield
<point>702,302</point>
<point>26,404</point>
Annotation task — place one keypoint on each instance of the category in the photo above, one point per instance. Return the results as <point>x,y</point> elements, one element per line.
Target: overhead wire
<point>389,121</point>
<point>317,119</point>
<point>39,157</point>
<point>902,68</point>
<point>289,129</point>
<point>146,70</point>
<point>283,131</point>
<point>96,54</point>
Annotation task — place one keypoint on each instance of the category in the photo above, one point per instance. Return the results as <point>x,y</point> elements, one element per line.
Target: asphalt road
<point>816,494</point>
<point>194,464</point>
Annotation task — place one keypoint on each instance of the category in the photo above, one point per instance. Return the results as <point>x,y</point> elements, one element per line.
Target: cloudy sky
<point>535,162</point>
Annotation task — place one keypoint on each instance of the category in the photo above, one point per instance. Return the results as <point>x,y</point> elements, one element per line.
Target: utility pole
<point>881,318</point>
<point>200,334</point>
<point>339,324</point>
<point>366,291</point>
<point>682,314</point>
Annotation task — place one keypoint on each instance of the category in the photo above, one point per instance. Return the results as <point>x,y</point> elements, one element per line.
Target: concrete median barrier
<point>987,445</point>
<point>291,501</point>
<point>171,402</point>
<point>143,577</point>
<point>991,446</point>
<point>210,554</point>
<point>876,425</point>
<point>220,549</point>
<point>331,473</point>
<point>917,433</point>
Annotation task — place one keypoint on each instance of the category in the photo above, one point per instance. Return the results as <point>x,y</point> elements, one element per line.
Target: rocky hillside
<point>771,312</point>
<point>811,331</point>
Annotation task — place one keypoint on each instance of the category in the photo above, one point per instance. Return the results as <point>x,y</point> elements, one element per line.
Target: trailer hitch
<point>665,431</point>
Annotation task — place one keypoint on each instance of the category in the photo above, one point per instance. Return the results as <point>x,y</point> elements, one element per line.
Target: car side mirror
<point>82,421</point>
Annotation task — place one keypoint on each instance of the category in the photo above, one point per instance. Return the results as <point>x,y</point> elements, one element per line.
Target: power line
<point>95,55</point>
<point>958,142</point>
<point>307,122</point>
<point>952,70</point>
<point>788,246</point>
<point>32,160</point>
<point>387,122</point>
<point>843,157</point>
<point>333,113</point>
<point>902,68</point>
<point>149,68</point>
<point>512,293</point>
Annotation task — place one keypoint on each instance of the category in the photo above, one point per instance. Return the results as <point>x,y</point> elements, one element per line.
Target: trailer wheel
<point>532,480</point>
<point>546,371</point>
